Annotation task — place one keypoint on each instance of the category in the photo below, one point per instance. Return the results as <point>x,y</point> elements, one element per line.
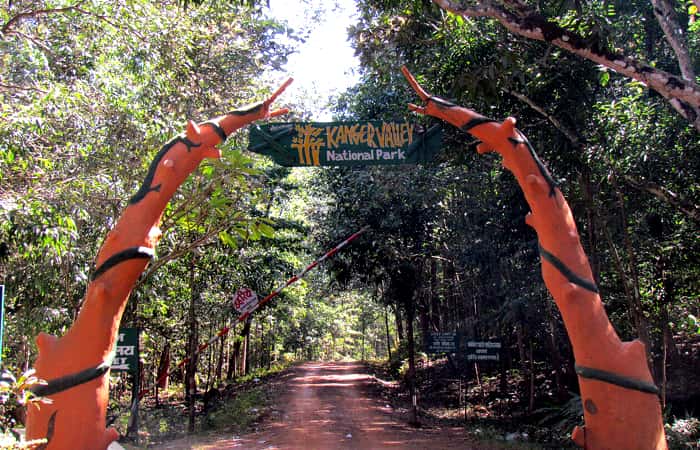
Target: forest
<point>607,92</point>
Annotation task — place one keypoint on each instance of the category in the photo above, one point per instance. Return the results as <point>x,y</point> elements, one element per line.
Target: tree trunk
<point>424,317</point>
<point>210,364</point>
<point>459,299</point>
<point>589,196</point>
<point>435,312</point>
<point>220,360</point>
<point>411,376</point>
<point>635,299</point>
<point>237,362</point>
<point>665,298</point>
<point>522,353</point>
<point>245,362</point>
<point>362,320</point>
<point>388,335</point>
<point>192,345</point>
<point>162,378</point>
<point>448,274</point>
<point>503,370</point>
<point>630,284</point>
<point>531,389</point>
<point>26,353</point>
<point>399,323</point>
<point>232,355</point>
<point>270,343</point>
<point>669,353</point>
<point>554,352</point>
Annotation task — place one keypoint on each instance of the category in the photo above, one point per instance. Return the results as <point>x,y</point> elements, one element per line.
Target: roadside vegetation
<point>90,90</point>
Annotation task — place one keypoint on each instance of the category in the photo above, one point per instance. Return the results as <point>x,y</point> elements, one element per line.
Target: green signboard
<point>346,143</point>
<point>127,351</point>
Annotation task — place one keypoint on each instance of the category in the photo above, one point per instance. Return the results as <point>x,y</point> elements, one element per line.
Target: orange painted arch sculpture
<point>621,406</point>
<point>76,365</point>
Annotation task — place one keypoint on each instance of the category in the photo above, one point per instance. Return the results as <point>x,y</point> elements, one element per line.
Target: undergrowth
<point>235,408</point>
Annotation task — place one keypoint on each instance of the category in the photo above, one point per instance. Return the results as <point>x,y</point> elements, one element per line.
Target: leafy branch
<point>690,209</point>
<point>682,94</point>
<point>15,395</point>
<point>678,201</point>
<point>17,18</point>
<point>10,26</point>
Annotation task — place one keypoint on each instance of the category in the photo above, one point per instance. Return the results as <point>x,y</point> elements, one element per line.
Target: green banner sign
<point>346,143</point>
<point>127,351</point>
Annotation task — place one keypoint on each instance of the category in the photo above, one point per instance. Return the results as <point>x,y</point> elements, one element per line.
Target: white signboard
<point>245,300</point>
<point>483,351</point>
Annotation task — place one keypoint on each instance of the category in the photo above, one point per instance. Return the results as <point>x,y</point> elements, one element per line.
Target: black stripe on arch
<point>220,131</point>
<point>568,273</point>
<point>146,185</point>
<point>124,255</point>
<point>475,123</point>
<point>242,112</point>
<point>70,381</point>
<point>50,428</point>
<point>442,102</point>
<point>540,165</point>
<point>617,380</point>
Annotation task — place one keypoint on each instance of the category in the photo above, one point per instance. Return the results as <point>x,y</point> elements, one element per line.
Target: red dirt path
<point>334,406</point>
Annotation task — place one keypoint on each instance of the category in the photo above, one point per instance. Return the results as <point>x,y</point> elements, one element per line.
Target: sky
<point>324,64</point>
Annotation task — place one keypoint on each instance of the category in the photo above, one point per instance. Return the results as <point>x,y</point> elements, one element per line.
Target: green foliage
<point>239,412</point>
<point>398,362</point>
<point>89,94</point>
<point>565,417</point>
<point>83,114</point>
<point>683,433</point>
<point>15,396</point>
<point>186,3</point>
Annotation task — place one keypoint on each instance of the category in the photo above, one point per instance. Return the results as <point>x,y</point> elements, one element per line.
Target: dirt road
<point>334,406</point>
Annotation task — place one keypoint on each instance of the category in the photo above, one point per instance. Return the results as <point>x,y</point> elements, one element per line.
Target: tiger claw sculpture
<point>620,401</point>
<point>76,365</point>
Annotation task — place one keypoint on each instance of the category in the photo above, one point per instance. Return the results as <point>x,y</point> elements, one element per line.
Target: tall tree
<point>576,32</point>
